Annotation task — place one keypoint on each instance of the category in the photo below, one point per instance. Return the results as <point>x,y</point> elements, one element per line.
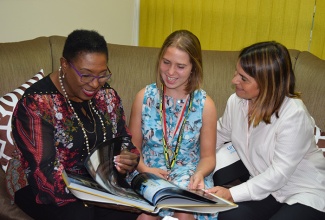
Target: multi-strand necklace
<point>91,108</point>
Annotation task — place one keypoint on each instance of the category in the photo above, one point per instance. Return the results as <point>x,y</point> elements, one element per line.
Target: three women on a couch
<point>266,121</point>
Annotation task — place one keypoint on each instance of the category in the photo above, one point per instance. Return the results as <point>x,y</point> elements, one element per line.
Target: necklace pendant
<point>170,155</point>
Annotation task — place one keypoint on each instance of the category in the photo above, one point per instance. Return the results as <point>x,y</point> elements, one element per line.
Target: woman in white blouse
<point>272,131</point>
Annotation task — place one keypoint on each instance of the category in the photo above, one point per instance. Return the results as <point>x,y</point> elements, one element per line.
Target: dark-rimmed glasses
<point>88,78</point>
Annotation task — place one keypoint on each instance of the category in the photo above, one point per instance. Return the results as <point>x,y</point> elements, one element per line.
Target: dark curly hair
<point>84,41</point>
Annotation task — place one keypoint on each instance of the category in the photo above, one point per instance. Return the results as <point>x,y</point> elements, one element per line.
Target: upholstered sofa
<point>134,67</point>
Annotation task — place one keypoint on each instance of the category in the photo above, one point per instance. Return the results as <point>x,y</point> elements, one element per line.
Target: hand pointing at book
<point>196,181</point>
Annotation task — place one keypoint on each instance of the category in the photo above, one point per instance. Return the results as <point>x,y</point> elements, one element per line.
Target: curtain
<point>317,45</point>
<point>234,24</point>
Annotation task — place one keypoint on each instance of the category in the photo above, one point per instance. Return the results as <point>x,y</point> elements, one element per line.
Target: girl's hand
<point>196,181</point>
<point>158,172</point>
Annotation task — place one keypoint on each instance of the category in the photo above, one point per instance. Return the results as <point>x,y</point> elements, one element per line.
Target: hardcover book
<point>146,191</point>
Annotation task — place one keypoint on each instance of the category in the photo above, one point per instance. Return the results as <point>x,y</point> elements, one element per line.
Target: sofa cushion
<point>7,106</point>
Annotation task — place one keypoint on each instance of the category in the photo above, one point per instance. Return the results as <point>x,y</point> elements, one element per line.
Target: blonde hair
<point>185,41</point>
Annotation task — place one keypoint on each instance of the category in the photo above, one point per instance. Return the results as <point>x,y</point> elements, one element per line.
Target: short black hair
<point>84,41</point>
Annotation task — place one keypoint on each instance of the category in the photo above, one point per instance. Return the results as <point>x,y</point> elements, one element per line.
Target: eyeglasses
<point>88,78</point>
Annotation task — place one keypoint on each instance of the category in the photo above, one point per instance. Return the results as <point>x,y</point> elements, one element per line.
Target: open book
<point>146,192</point>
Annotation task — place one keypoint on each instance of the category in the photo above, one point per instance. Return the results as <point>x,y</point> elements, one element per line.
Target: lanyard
<point>179,120</point>
<point>168,152</point>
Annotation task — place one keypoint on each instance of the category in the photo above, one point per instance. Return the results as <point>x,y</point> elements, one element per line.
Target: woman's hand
<point>126,162</point>
<point>196,181</point>
<point>221,192</point>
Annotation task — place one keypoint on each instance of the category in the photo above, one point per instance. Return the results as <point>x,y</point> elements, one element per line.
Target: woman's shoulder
<point>107,89</point>
<point>293,105</point>
<point>41,87</point>
<point>152,86</point>
<point>293,110</point>
<point>151,90</point>
<point>200,92</point>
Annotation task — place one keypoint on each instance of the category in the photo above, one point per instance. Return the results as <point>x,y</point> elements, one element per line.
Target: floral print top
<point>189,153</point>
<point>49,138</point>
<point>152,131</point>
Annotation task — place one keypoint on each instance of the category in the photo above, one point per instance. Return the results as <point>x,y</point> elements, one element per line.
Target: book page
<point>100,165</point>
<point>89,190</point>
<point>155,189</point>
<point>148,185</point>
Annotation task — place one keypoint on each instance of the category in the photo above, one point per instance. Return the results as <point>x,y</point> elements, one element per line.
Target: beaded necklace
<point>84,131</point>
<point>84,108</point>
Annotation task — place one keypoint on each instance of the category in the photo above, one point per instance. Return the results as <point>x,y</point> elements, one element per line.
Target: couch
<point>134,67</point>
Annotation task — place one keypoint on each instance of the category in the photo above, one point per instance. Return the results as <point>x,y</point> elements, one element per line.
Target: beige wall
<point>21,20</point>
